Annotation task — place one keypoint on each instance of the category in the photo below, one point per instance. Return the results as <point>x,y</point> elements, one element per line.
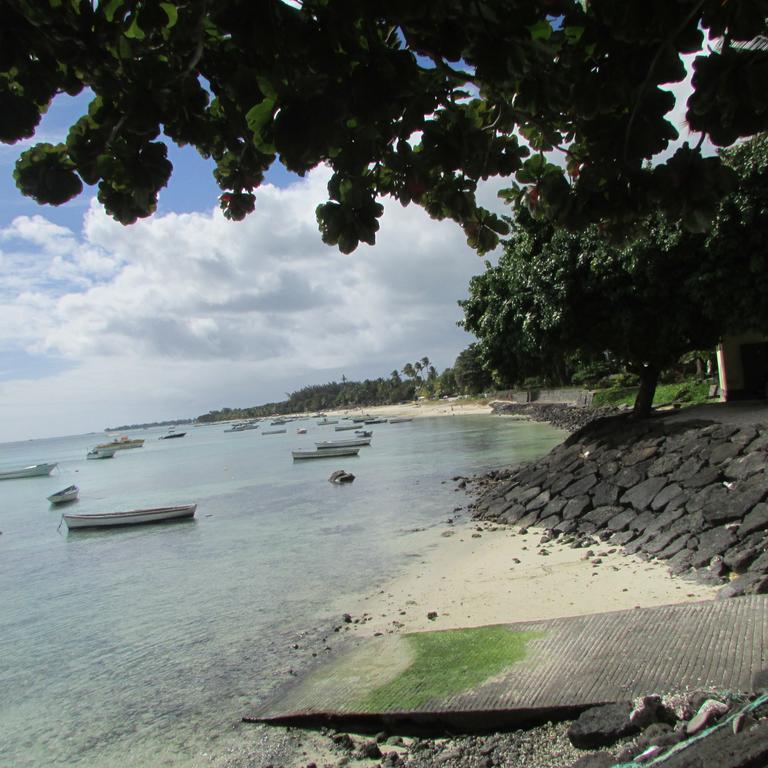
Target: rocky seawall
<point>692,494</point>
<point>568,417</point>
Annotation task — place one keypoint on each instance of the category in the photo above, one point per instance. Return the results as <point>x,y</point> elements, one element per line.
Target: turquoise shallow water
<point>143,646</point>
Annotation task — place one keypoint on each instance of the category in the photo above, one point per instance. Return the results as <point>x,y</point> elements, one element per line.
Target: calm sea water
<point>144,646</point>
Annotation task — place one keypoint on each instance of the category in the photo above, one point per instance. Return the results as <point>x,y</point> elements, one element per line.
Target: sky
<point>186,312</point>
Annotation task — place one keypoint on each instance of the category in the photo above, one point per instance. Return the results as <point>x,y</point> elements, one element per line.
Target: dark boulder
<point>602,726</point>
<point>576,507</point>
<point>724,452</point>
<point>621,521</point>
<point>641,495</point>
<point>713,542</point>
<point>605,494</point>
<point>748,584</point>
<point>628,477</point>
<point>672,496</point>
<point>756,520</point>
<point>580,486</point>
<point>746,466</point>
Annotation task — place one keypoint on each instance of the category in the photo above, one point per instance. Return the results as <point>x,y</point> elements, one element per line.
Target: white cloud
<point>183,313</point>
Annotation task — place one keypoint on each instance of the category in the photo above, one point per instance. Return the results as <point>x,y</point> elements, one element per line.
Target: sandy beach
<point>421,409</point>
<point>475,574</point>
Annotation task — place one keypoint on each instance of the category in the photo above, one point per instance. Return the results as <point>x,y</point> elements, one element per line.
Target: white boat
<point>301,431</point>
<point>243,427</point>
<point>364,432</point>
<point>325,453</point>
<point>344,427</point>
<point>122,443</point>
<point>400,419</point>
<point>33,470</point>
<point>354,442</point>
<point>133,517</point>
<point>101,453</point>
<point>171,433</point>
<point>274,431</point>
<point>65,495</point>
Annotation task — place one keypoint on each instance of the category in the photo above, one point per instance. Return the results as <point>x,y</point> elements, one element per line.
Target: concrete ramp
<point>486,677</point>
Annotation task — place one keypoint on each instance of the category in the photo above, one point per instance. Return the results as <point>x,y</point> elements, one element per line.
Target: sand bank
<point>471,575</point>
<point>420,409</point>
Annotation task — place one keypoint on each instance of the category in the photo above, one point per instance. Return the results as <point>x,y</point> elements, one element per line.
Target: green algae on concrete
<point>448,662</point>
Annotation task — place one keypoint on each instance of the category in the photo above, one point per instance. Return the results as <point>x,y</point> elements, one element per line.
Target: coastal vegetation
<point>559,299</point>
<point>418,379</point>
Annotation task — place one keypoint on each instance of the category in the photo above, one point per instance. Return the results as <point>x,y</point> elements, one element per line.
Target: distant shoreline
<point>420,409</point>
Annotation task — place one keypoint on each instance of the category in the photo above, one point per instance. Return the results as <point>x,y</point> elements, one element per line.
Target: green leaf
<point>172,13</point>
<point>541,30</point>
<point>110,7</point>
<point>573,34</point>
<point>135,32</point>
<point>266,87</point>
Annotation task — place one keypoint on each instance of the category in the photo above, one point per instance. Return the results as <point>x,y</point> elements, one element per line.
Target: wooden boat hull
<point>400,419</point>
<point>345,427</point>
<point>101,453</point>
<point>357,442</point>
<point>326,453</point>
<point>65,496</point>
<point>172,435</point>
<point>133,517</point>
<point>34,470</point>
<point>274,431</point>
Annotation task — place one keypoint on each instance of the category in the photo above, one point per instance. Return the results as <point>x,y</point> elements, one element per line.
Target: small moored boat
<point>325,453</point>
<point>65,495</point>
<point>344,427</point>
<point>325,422</point>
<point>375,421</point>
<point>274,431</point>
<point>33,470</point>
<point>400,419</point>
<point>355,442</point>
<point>132,517</point>
<point>364,432</point>
<point>122,443</point>
<point>171,433</point>
<point>101,453</point>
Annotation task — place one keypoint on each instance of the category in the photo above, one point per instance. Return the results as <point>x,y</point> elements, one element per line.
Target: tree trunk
<point>649,378</point>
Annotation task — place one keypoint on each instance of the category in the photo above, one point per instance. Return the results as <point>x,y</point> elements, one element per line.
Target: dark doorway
<point>754,364</point>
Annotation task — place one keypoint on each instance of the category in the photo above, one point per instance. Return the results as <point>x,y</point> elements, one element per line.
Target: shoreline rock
<point>690,493</point>
<point>568,417</point>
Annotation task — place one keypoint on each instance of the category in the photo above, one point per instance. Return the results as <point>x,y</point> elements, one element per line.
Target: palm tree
<point>409,371</point>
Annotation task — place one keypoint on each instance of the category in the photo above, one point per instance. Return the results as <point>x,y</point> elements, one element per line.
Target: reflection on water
<point>143,646</point>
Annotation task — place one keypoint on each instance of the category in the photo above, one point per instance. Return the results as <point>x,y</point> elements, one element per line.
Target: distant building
<point>742,363</point>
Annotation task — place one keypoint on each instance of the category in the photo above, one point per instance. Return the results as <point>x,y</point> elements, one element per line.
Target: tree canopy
<point>414,100</point>
<point>667,291</point>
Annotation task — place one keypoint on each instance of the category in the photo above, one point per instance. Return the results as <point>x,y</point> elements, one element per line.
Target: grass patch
<point>449,662</point>
<point>691,392</point>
